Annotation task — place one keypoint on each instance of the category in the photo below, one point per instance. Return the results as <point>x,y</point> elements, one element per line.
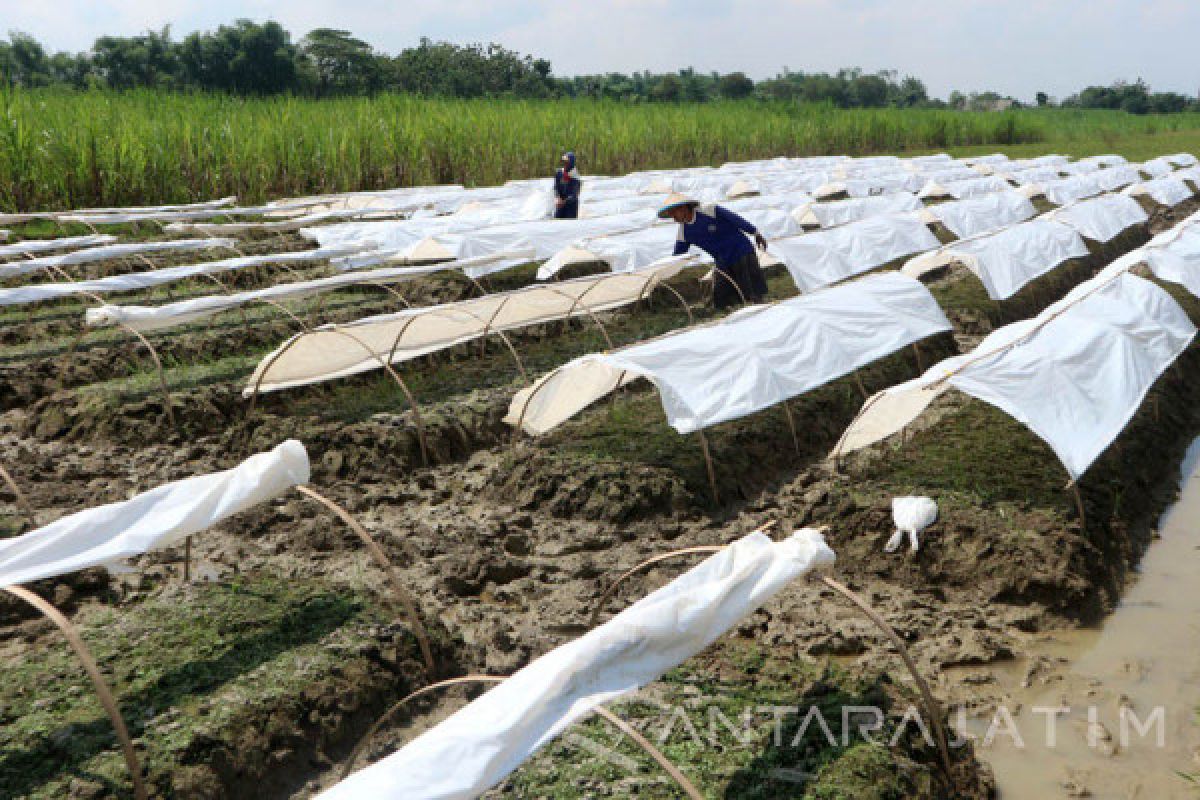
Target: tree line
<point>250,58</point>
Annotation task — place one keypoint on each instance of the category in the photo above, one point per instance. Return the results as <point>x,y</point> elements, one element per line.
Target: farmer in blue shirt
<point>726,237</point>
<point>566,189</point>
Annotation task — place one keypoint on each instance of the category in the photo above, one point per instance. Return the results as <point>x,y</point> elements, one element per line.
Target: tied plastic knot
<point>911,515</point>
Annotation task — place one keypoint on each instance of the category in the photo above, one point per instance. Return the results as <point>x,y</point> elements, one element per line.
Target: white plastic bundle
<point>911,515</point>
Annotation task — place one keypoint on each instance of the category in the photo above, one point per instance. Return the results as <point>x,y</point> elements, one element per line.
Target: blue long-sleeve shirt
<point>566,187</point>
<point>717,231</point>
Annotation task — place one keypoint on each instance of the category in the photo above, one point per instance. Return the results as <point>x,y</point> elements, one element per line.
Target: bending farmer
<point>566,189</point>
<point>723,235</point>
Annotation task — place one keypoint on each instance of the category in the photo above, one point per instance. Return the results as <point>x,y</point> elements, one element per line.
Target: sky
<point>1016,47</point>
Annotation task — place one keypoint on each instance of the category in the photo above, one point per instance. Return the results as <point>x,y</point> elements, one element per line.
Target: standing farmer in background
<point>566,189</point>
<point>725,236</point>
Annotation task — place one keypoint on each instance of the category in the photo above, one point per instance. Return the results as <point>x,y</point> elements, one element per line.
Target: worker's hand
<point>559,202</point>
<point>761,241</point>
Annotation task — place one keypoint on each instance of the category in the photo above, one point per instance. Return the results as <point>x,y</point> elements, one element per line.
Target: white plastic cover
<point>988,212</point>
<point>825,257</point>
<point>911,515</point>
<point>328,353</point>
<point>1182,160</point>
<point>1032,175</point>
<point>1157,168</point>
<point>1072,190</point>
<point>1075,374</point>
<point>108,535</point>
<point>105,252</point>
<point>46,245</point>
<point>749,361</point>
<point>842,212</point>
<point>159,277</point>
<point>964,188</point>
<point>1008,259</point>
<point>153,318</point>
<point>1103,218</point>
<point>1164,191</point>
<point>1117,177</point>
<point>1109,160</point>
<point>1174,258</point>
<point>488,739</point>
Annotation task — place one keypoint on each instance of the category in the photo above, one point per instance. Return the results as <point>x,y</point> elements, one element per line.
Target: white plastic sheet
<point>842,212</point>
<point>111,251</point>
<point>1032,176</point>
<point>108,535</point>
<point>911,515</point>
<point>825,257</point>
<point>1108,160</point>
<point>988,212</point>
<point>133,281</point>
<point>1182,160</point>
<point>749,361</point>
<point>1070,190</point>
<point>1007,260</point>
<point>1164,191</point>
<point>964,188</point>
<point>1157,168</point>
<point>1102,219</point>
<point>154,318</point>
<point>1116,177</point>
<point>1074,375</point>
<point>1174,257</point>
<point>328,353</point>
<point>488,739</point>
<point>46,245</point>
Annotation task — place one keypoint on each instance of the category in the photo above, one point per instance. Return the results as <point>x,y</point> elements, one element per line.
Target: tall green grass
<point>62,149</point>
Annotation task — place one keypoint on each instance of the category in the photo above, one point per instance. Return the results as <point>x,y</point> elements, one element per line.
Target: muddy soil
<point>508,549</point>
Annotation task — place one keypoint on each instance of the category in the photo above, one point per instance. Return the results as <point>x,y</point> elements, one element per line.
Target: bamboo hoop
<point>22,500</point>
<point>931,706</point>
<point>708,463</point>
<point>402,594</point>
<point>158,366</point>
<point>101,686</point>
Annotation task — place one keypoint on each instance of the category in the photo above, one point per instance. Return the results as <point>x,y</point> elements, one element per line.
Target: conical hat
<point>675,200</point>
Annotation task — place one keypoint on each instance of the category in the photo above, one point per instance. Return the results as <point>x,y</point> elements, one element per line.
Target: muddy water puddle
<point>1111,713</point>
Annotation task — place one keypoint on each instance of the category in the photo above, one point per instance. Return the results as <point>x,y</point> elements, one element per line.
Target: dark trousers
<point>568,210</point>
<point>740,282</point>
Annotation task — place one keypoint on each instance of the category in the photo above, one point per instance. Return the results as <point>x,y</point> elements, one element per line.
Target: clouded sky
<point>1014,46</point>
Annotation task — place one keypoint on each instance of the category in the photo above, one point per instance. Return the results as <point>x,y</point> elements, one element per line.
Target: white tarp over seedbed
<point>159,277</point>
<point>1102,219</point>
<point>153,318</point>
<point>891,183</point>
<point>1008,259</point>
<point>1032,176</point>
<point>1117,177</point>
<point>1109,160</point>
<point>46,245</point>
<point>1157,168</point>
<point>111,251</point>
<point>1164,191</point>
<point>825,257</point>
<point>1181,160</point>
<point>749,361</point>
<point>478,746</point>
<point>327,353</point>
<point>965,188</point>
<point>842,212</point>
<point>106,536</point>
<point>1068,190</point>
<point>987,212</point>
<point>1074,375</point>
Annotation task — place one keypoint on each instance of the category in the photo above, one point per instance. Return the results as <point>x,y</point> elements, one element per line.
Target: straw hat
<point>675,200</point>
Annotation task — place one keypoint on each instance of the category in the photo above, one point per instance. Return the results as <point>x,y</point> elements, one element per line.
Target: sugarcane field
<point>547,401</point>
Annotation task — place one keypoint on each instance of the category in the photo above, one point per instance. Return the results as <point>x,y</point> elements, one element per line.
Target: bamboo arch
<point>686,785</point>
<point>931,705</point>
<point>93,671</point>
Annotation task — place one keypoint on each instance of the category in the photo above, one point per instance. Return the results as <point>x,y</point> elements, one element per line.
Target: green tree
<point>735,86</point>
<point>339,62</point>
